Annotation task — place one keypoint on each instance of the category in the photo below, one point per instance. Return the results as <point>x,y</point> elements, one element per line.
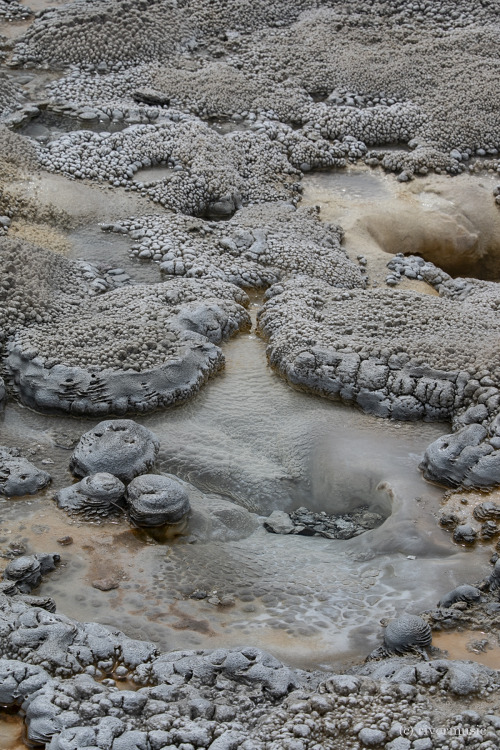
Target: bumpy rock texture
<point>258,246</point>
<point>293,86</point>
<point>18,476</point>
<point>402,355</point>
<point>144,347</point>
<point>117,446</point>
<point>224,698</point>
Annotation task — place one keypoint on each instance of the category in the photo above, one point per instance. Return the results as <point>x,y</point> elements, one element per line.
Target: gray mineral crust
<point>120,447</point>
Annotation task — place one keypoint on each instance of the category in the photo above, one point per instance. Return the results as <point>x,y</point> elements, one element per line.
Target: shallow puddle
<point>11,732</point>
<point>472,645</point>
<point>49,126</point>
<point>90,243</point>
<point>153,174</point>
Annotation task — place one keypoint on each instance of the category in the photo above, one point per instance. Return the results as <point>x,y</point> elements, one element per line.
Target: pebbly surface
<point>225,698</point>
<point>11,10</point>
<point>145,346</point>
<point>339,70</point>
<point>38,285</point>
<point>25,573</point>
<point>217,174</point>
<point>233,102</point>
<point>257,247</point>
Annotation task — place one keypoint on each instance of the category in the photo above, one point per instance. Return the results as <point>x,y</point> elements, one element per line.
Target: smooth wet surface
<point>453,222</point>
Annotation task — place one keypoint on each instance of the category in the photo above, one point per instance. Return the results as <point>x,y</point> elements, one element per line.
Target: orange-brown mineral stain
<point>470,645</point>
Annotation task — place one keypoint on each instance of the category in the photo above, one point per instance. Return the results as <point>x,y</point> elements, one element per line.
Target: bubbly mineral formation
<point>208,697</point>
<point>384,351</point>
<point>156,500</point>
<point>258,246</point>
<point>120,447</point>
<point>190,127</point>
<point>18,476</point>
<point>143,347</point>
<point>96,496</point>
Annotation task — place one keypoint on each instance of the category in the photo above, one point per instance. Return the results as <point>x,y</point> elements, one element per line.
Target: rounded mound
<point>120,447</point>
<point>156,500</point>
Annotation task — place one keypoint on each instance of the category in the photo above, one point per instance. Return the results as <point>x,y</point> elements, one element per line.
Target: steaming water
<point>251,438</point>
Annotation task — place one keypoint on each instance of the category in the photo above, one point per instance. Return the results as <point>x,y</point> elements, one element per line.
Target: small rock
<point>105,584</point>
<point>65,540</point>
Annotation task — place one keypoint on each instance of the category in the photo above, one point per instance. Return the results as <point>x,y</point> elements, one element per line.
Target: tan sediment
<point>473,645</point>
<point>42,235</point>
<point>452,222</point>
<point>11,731</point>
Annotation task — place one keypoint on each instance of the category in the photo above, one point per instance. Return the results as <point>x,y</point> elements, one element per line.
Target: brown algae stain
<point>11,731</point>
<point>470,645</point>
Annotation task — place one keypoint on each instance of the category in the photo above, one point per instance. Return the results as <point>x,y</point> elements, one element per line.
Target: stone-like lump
<point>120,447</point>
<point>18,476</point>
<point>27,571</point>
<point>96,496</point>
<point>464,593</point>
<point>406,633</point>
<point>157,500</point>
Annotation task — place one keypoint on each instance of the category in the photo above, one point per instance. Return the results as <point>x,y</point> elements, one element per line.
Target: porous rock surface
<point>258,246</point>
<point>305,85</point>
<point>18,476</point>
<point>11,10</point>
<point>217,174</point>
<point>132,349</point>
<point>120,447</point>
<point>223,698</point>
<point>402,355</point>
<point>339,70</point>
<point>37,284</point>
